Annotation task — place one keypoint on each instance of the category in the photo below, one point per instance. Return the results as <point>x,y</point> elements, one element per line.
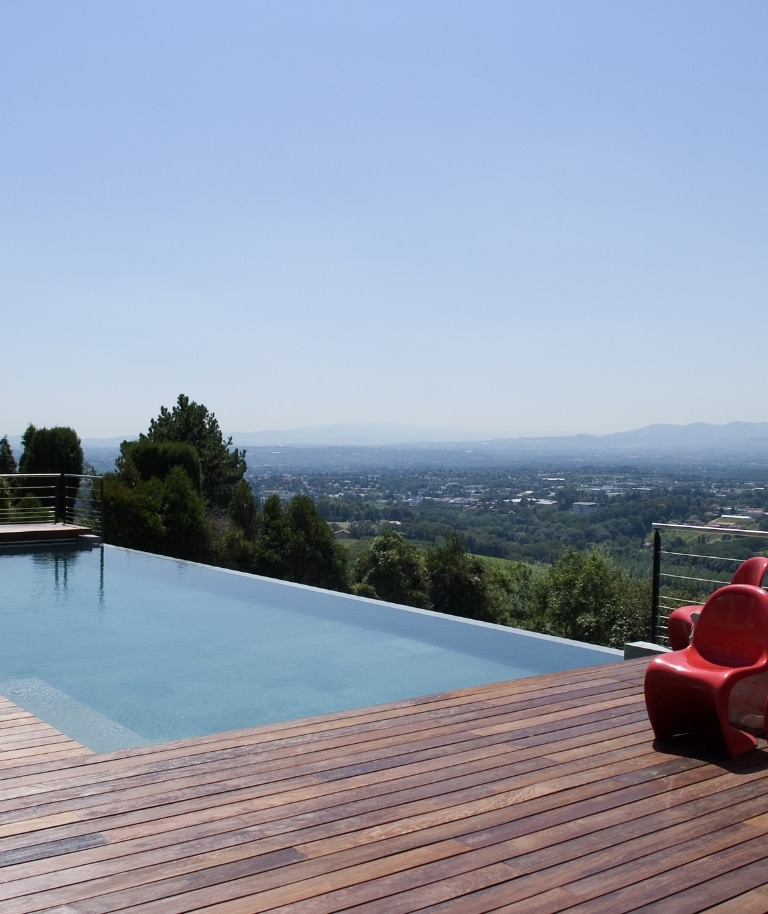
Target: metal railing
<point>84,501</point>
<point>689,566</point>
<point>51,498</point>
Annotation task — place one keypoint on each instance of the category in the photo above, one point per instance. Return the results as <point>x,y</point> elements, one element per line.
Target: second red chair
<point>680,622</point>
<point>688,691</point>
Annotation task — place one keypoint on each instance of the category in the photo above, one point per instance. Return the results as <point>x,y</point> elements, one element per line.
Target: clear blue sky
<point>530,217</point>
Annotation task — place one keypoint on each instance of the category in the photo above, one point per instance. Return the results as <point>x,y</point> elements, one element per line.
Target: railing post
<point>60,508</point>
<point>101,507</point>
<point>656,586</point>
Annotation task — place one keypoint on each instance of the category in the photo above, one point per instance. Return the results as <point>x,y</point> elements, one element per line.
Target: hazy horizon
<point>382,434</point>
<point>510,218</point>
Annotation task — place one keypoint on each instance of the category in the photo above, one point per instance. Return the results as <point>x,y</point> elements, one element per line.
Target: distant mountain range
<point>695,439</point>
<point>334,446</point>
<point>698,436</point>
<point>684,446</point>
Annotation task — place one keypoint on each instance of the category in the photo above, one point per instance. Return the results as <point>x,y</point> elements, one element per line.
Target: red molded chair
<point>752,571</point>
<point>680,622</point>
<point>687,691</point>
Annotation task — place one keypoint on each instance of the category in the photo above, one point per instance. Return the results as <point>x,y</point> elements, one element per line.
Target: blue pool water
<point>118,648</point>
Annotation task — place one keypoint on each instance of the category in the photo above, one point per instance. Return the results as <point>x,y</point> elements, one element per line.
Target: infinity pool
<point>118,648</point>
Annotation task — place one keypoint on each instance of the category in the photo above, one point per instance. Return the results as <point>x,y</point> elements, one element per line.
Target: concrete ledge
<point>635,649</point>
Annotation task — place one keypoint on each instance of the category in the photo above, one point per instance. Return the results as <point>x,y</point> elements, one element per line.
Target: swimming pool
<point>118,648</point>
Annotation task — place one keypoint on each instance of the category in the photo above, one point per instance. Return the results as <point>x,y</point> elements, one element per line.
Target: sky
<point>541,217</point>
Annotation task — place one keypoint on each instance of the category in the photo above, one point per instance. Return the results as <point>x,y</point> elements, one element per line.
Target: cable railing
<point>84,501</point>
<point>52,498</point>
<point>690,562</point>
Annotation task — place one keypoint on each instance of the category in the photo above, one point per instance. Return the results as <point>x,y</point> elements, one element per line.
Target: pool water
<point>118,648</point>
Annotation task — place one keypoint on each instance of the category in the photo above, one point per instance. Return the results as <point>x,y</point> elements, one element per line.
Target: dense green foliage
<point>313,556</point>
<point>290,542</point>
<point>526,517</point>
<point>392,569</point>
<point>243,510</point>
<point>537,533</point>
<point>187,532</point>
<point>167,493</point>
<point>51,450</point>
<point>7,460</point>
<point>166,516</point>
<point>170,487</point>
<point>191,423</point>
<point>133,514</point>
<point>155,459</point>
<point>153,501</point>
<point>583,596</point>
<point>458,582</point>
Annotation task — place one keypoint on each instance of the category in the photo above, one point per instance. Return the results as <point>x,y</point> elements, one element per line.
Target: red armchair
<point>688,691</point>
<point>681,620</point>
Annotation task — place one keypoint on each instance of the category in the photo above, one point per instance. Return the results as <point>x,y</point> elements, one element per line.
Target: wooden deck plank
<point>389,849</point>
<point>346,774</point>
<point>16,534</point>
<point>752,902</point>
<point>146,785</point>
<point>399,827</point>
<point>545,794</point>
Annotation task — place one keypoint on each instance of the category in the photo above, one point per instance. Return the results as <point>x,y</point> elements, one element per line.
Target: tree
<point>154,502</point>
<point>586,597</point>
<point>296,544</point>
<point>187,534</point>
<point>7,460</point>
<point>511,588</point>
<point>165,516</point>
<point>51,450</point>
<point>394,570</point>
<point>458,583</point>
<point>156,459</point>
<point>314,557</point>
<point>243,509</point>
<point>193,424</point>
<point>273,543</point>
<point>133,513</point>
<point>581,596</point>
<point>6,501</point>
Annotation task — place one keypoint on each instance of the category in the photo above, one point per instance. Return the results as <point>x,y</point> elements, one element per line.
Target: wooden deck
<point>539,795</point>
<point>41,533</point>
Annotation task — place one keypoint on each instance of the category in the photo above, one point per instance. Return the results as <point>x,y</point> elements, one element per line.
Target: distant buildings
<point>584,507</point>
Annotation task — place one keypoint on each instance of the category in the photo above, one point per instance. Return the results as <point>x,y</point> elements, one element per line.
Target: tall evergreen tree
<point>243,509</point>
<point>187,534</point>
<point>51,450</point>
<point>314,556</point>
<point>7,460</point>
<point>296,544</point>
<point>273,543</point>
<point>192,423</point>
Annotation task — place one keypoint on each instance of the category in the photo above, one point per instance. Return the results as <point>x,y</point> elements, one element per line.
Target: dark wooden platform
<point>533,796</point>
<point>41,533</point>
